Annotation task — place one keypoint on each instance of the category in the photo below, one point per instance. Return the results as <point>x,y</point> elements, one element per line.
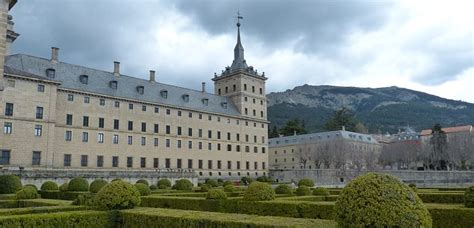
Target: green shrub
<point>116,179</point>
<point>49,186</point>
<point>31,185</point>
<point>96,185</point>
<point>443,197</point>
<point>183,185</point>
<point>9,184</point>
<point>283,189</point>
<point>303,191</point>
<point>89,219</point>
<point>27,192</point>
<point>143,189</point>
<point>306,182</point>
<point>117,195</point>
<point>153,187</point>
<point>86,199</point>
<point>321,191</point>
<point>258,191</point>
<point>164,183</point>
<point>380,200</point>
<point>227,182</point>
<point>264,179</point>
<point>216,194</point>
<point>229,188</point>
<point>143,181</point>
<point>413,187</point>
<point>469,197</point>
<point>246,180</point>
<point>213,183</point>
<point>204,188</point>
<point>64,187</point>
<point>78,184</point>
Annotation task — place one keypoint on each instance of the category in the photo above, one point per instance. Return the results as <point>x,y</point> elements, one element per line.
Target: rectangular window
<point>219,164</point>
<point>115,161</point>
<point>247,165</point>
<point>200,145</point>
<point>115,139</point>
<point>167,163</point>
<point>143,127</point>
<point>255,139</point>
<point>255,149</point>
<point>117,104</point>
<point>85,121</point>
<point>190,132</point>
<point>84,160</point>
<point>156,128</point>
<point>67,160</point>
<point>85,137</point>
<point>116,124</point>
<point>218,135</point>
<point>209,146</point>
<point>263,165</point>
<point>38,130</point>
<point>100,161</point>
<point>178,163</point>
<point>200,133</point>
<point>144,108</point>
<point>190,163</point>
<point>9,109</point>
<point>209,117</point>
<point>41,88</point>
<point>130,140</point>
<point>237,136</point>
<point>69,119</point>
<point>68,136</point>
<point>209,164</point>
<point>130,125</point>
<point>143,162</point>
<point>229,147</point>
<point>190,115</point>
<point>143,141</point>
<point>237,148</point>
<point>130,106</point>
<point>102,102</point>
<point>168,129</point>
<point>155,163</point>
<point>129,162</point>
<point>200,116</point>
<point>87,100</point>
<point>200,164</point>
<point>101,122</point>
<point>36,160</point>
<point>263,150</point>
<point>70,97</point>
<point>190,144</point>
<point>7,128</point>
<point>228,136</point>
<point>179,130</point>
<point>179,144</point>
<point>168,143</point>
<point>179,113</point>
<point>39,113</point>
<point>229,164</point>
<point>100,137</point>
<point>238,164</point>
<point>255,165</point>
<point>157,110</point>
<point>219,147</point>
<point>209,134</point>
<point>155,142</point>
<point>168,111</point>
<point>5,157</point>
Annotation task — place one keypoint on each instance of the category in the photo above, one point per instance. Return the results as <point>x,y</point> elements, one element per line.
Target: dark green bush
<point>96,185</point>
<point>283,189</point>
<point>306,182</point>
<point>153,187</point>
<point>31,185</point>
<point>443,197</point>
<point>164,183</point>
<point>117,179</point>
<point>469,197</point>
<point>86,199</point>
<point>258,191</point>
<point>216,194</point>
<point>89,219</point>
<point>380,200</point>
<point>143,181</point>
<point>264,179</point>
<point>229,188</point>
<point>49,186</point>
<point>183,185</point>
<point>9,184</point>
<point>246,180</point>
<point>204,188</point>
<point>117,195</point>
<point>413,187</point>
<point>64,187</point>
<point>143,189</point>
<point>78,184</point>
<point>213,183</point>
<point>319,191</point>
<point>27,192</point>
<point>227,182</point>
<point>303,191</point>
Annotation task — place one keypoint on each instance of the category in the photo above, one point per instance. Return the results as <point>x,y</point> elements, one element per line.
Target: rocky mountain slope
<point>380,109</point>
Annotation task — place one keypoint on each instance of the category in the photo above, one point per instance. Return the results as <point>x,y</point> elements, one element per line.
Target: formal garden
<point>371,200</point>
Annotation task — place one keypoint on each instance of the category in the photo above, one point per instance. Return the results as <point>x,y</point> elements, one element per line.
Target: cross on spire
<point>239,18</point>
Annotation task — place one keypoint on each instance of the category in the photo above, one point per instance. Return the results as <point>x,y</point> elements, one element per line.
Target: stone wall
<point>37,177</point>
<point>338,178</point>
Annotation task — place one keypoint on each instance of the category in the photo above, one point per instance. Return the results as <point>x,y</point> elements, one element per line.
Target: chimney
<point>203,87</point>
<point>152,76</point>
<point>294,133</point>
<point>117,68</point>
<point>54,54</point>
<point>344,128</point>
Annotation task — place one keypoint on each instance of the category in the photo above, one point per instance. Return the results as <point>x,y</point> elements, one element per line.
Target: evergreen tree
<point>274,133</point>
<point>438,142</point>
<point>293,126</point>
<point>343,117</point>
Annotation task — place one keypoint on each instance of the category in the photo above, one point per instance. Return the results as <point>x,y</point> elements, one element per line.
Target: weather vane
<point>238,18</point>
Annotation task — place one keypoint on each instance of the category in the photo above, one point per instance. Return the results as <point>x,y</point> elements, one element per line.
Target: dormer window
<point>186,98</point>
<point>224,104</point>
<point>205,101</point>
<point>164,93</point>
<point>140,89</point>
<point>113,84</point>
<point>50,73</point>
<point>84,79</point>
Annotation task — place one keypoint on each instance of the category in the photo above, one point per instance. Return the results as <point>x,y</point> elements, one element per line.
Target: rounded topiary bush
<point>183,185</point>
<point>283,189</point>
<point>78,184</point>
<point>143,189</point>
<point>321,191</point>
<point>49,186</point>
<point>246,180</point>
<point>216,194</point>
<point>143,181</point>
<point>413,187</point>
<point>164,184</point>
<point>306,182</point>
<point>116,179</point>
<point>96,185</point>
<point>153,187</point>
<point>469,197</point>
<point>204,188</point>
<point>117,195</point>
<point>380,200</point>
<point>9,184</point>
<point>258,191</point>
<point>303,191</point>
<point>26,192</point>
<point>87,199</point>
<point>229,188</point>
<point>64,187</point>
<point>31,185</point>
<point>227,182</point>
<point>211,182</point>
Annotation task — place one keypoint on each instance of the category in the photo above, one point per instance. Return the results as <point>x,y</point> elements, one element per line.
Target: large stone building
<point>57,115</point>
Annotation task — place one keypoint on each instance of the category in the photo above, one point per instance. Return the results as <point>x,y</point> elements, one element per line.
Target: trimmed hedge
<point>451,198</point>
<point>153,187</point>
<point>92,219</point>
<point>212,182</point>
<point>306,182</point>
<point>258,191</point>
<point>117,195</point>
<point>143,181</point>
<point>60,195</point>
<point>183,185</point>
<point>216,194</point>
<point>283,189</point>
<point>27,192</point>
<point>78,184</point>
<point>143,189</point>
<point>303,191</point>
<point>9,184</point>
<point>31,185</point>
<point>39,210</point>
<point>445,216</point>
<point>49,186</point>
<point>64,187</point>
<point>469,197</point>
<point>164,183</point>
<point>32,203</point>
<point>96,185</point>
<point>320,191</point>
<point>229,188</point>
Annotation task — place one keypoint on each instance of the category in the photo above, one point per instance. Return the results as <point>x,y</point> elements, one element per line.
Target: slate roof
<point>322,136</point>
<point>99,81</point>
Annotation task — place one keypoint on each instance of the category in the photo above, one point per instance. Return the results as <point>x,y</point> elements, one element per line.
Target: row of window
<point>234,89</point>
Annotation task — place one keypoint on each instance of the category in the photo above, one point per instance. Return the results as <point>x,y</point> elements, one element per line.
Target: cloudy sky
<point>421,45</point>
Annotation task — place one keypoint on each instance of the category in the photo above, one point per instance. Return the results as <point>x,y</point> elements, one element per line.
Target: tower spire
<point>239,60</point>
